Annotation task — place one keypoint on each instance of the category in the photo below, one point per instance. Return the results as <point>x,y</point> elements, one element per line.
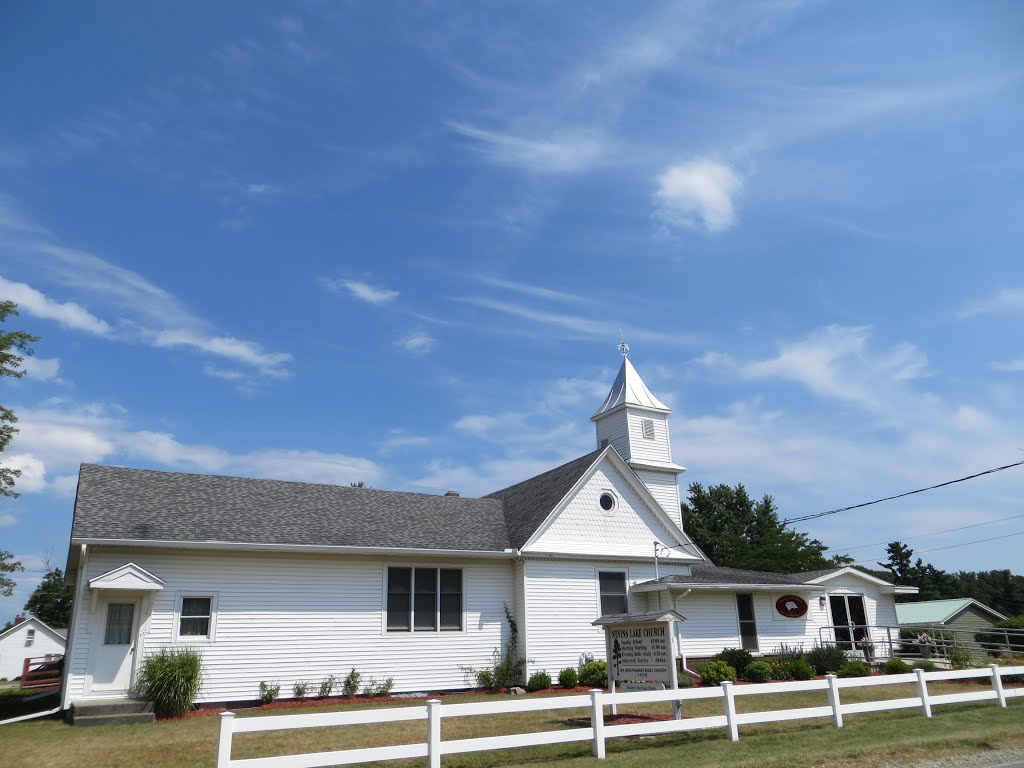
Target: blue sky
<point>396,242</point>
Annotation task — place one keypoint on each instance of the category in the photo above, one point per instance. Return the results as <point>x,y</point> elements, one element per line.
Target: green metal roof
<point>937,611</point>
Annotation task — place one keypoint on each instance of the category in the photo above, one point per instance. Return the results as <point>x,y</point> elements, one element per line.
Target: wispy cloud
<point>697,194</point>
<point>416,343</point>
<point>551,154</point>
<point>527,289</point>
<point>147,314</point>
<point>40,368</point>
<point>1006,300</point>
<point>1011,366</point>
<point>68,314</point>
<point>360,290</point>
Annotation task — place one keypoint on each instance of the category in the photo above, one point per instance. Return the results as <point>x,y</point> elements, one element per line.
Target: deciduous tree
<point>14,345</point>
<point>51,601</point>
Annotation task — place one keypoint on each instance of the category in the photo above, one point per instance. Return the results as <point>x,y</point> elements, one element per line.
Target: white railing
<point>433,747</point>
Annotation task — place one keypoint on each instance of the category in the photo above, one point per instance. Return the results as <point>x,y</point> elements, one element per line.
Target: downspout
<point>32,716</point>
<point>682,653</point>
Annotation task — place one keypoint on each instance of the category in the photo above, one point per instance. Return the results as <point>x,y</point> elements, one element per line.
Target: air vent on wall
<point>648,427</point>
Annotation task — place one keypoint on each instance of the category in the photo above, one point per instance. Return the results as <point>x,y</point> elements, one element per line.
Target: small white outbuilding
<point>28,638</point>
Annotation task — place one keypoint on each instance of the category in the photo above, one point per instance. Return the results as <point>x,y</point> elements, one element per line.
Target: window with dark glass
<point>424,599</point>
<point>195,617</point>
<point>118,629</point>
<point>613,592</point>
<point>748,624</point>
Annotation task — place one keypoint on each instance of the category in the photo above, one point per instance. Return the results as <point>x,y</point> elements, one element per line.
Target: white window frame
<point>195,639</point>
<point>412,631</point>
<point>597,585</point>
<point>30,637</point>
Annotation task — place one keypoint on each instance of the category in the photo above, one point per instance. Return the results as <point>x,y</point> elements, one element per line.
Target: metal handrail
<point>940,640</point>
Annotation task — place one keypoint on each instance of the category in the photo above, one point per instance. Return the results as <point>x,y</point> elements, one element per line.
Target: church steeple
<point>635,423</point>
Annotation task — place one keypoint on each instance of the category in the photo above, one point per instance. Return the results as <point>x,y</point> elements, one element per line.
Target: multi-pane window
<point>30,637</point>
<point>613,592</point>
<point>424,599</point>
<point>195,617</point>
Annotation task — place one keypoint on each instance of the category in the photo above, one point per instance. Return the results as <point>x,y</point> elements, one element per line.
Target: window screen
<point>399,598</point>
<point>195,617</point>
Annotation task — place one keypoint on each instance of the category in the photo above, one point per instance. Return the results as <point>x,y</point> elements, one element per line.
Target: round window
<point>607,502</point>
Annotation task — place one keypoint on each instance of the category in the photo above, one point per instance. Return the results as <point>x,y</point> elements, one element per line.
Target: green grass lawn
<point>901,737</point>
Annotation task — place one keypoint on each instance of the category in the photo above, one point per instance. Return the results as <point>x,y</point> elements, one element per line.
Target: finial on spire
<point>623,346</point>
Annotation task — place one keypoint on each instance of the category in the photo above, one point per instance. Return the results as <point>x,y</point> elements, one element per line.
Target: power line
<point>901,495</point>
<point>921,535</point>
<point>948,546</point>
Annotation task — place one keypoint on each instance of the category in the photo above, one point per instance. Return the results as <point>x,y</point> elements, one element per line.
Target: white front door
<point>115,653</point>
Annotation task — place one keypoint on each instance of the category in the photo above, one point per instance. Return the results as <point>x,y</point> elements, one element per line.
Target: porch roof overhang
<point>645,617</point>
<point>678,586</point>
<point>127,577</point>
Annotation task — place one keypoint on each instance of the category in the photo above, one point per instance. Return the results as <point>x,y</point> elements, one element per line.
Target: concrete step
<point>111,712</point>
<point>132,718</point>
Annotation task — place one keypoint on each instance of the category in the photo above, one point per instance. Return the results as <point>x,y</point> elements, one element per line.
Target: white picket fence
<point>434,747</point>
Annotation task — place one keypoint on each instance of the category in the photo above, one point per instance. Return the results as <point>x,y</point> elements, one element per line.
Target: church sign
<point>640,646</point>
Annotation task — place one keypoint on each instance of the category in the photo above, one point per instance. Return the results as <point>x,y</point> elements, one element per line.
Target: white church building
<point>286,582</point>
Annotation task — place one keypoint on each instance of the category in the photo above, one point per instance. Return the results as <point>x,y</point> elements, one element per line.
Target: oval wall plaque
<point>791,606</point>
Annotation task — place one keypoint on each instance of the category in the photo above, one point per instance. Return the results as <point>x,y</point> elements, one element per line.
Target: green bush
<point>568,677</point>
<point>716,672</point>
<point>854,669</point>
<point>594,674</point>
<point>538,681</point>
<point>925,665</point>
<point>171,679</point>
<point>800,670</point>
<point>781,670</point>
<point>269,693</point>
<point>759,672</point>
<point>375,688</point>
<point>736,658</point>
<point>896,667</point>
<point>959,658</point>
<point>326,687</point>
<point>350,686</point>
<point>300,688</point>
<point>826,658</point>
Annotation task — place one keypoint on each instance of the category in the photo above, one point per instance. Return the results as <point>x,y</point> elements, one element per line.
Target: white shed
<point>29,638</point>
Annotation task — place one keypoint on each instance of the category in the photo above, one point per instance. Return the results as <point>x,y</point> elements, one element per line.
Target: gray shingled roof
<point>528,504</point>
<point>138,504</point>
<point>147,505</point>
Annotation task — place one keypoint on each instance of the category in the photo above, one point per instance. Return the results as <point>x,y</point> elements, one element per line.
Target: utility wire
<point>948,546</point>
<point>901,495</point>
<point>921,535</point>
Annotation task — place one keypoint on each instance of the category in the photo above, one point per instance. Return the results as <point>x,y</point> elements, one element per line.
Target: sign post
<point>640,648</point>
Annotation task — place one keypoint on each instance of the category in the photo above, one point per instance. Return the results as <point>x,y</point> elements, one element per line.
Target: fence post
<point>833,699</point>
<point>597,722</point>
<point>922,691</point>
<point>997,683</point>
<point>227,720</point>
<point>434,733</point>
<point>730,711</point>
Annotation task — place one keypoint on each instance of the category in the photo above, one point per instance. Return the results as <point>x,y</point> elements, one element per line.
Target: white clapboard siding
<point>14,651</point>
<point>616,432</point>
<point>562,601</point>
<point>287,618</point>
<point>647,449</point>
<point>582,528</point>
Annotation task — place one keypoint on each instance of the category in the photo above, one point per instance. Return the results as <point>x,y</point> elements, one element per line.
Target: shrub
<point>736,658</point>
<point>171,679</point>
<point>759,672</point>
<point>1011,661</point>
<point>382,688</point>
<point>269,693</point>
<point>350,686</point>
<point>854,669</point>
<point>538,681</point>
<point>326,687</point>
<point>716,672</point>
<point>594,674</point>
<point>300,688</point>
<point>568,677</point>
<point>800,670</point>
<point>896,667</point>
<point>826,659</point>
<point>959,658</point>
<point>925,665</point>
<point>780,670</point>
